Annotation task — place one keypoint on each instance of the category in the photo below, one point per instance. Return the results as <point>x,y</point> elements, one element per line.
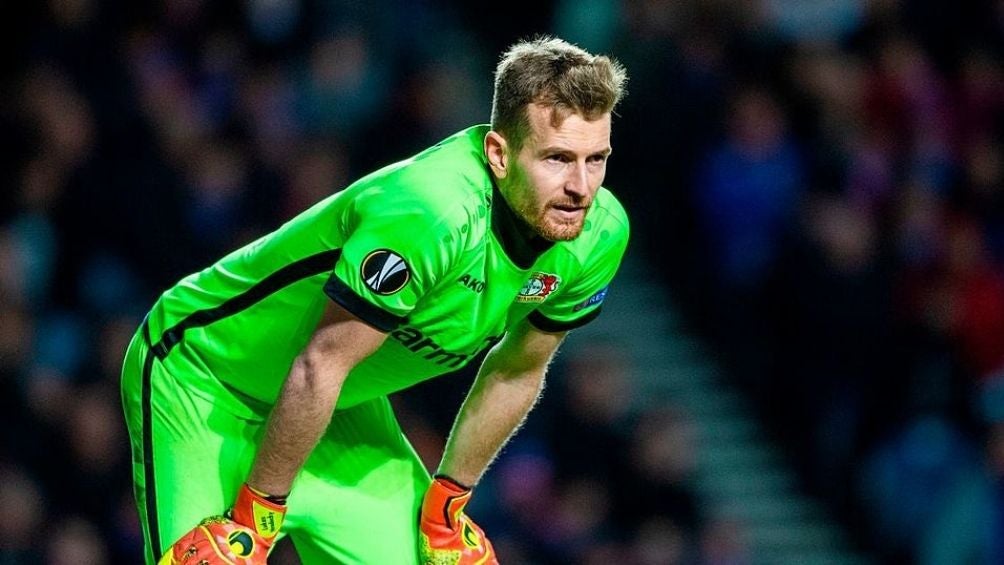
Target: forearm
<point>494,409</point>
<point>308,398</point>
<point>296,424</point>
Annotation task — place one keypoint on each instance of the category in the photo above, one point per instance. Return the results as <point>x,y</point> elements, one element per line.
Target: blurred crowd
<point>820,183</point>
<point>830,190</point>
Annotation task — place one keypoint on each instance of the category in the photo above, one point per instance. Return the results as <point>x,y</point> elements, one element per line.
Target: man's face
<point>551,182</point>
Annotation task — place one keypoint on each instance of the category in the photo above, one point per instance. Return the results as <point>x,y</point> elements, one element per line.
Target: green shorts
<point>355,501</point>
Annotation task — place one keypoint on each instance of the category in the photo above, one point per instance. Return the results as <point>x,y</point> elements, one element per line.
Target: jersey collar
<point>514,234</point>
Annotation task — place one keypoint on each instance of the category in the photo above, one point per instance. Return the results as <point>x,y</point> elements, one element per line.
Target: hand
<point>446,535</point>
<point>242,537</point>
<point>217,540</point>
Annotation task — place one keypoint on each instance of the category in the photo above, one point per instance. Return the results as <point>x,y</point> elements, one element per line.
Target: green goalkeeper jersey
<point>425,249</point>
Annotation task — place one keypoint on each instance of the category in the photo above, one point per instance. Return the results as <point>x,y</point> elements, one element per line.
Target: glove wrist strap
<point>450,481</point>
<point>444,502</point>
<point>274,498</point>
<point>258,511</point>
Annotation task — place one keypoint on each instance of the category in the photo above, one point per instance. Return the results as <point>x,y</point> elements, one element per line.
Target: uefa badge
<point>384,272</point>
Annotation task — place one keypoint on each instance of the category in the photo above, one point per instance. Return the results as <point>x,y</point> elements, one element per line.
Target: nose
<point>578,180</point>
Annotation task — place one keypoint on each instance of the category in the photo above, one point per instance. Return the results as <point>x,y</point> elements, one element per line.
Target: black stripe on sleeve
<point>360,307</point>
<point>289,274</point>
<point>545,324</point>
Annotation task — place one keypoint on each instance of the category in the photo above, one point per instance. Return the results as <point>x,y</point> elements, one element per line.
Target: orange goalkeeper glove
<point>242,537</point>
<point>446,535</point>
<point>217,540</point>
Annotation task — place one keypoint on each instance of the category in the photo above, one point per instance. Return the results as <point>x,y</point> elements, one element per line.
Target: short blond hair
<point>554,73</point>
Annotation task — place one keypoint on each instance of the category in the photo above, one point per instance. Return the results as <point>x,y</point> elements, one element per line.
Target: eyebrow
<point>606,151</point>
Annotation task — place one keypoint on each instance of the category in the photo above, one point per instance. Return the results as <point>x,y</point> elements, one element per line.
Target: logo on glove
<point>241,543</point>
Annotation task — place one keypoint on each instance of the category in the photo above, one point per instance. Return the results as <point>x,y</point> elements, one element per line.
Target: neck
<point>519,240</point>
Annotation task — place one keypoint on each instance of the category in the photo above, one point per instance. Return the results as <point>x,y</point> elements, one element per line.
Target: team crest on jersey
<point>385,272</point>
<point>538,288</point>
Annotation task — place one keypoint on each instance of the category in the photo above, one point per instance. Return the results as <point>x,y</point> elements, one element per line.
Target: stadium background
<point>816,186</point>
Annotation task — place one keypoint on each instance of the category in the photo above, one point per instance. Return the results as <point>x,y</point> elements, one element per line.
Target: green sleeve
<point>396,249</point>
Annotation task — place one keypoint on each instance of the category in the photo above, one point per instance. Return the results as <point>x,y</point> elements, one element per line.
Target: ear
<point>496,149</point>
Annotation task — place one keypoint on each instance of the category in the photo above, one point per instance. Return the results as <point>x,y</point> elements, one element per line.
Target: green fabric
<point>359,495</point>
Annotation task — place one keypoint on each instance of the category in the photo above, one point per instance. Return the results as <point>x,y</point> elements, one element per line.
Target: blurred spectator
<point>341,85</point>
<point>22,517</point>
<point>216,178</point>
<point>724,542</point>
<point>75,541</point>
<point>591,398</point>
<point>591,24</point>
<point>981,193</point>
<point>655,482</point>
<point>746,195</point>
<point>748,190</point>
<point>814,20</point>
<point>976,295</point>
<point>968,527</point>
<point>317,171</point>
<point>660,541</point>
<point>834,299</point>
<point>97,449</point>
<point>580,518</point>
<point>274,22</point>
<point>906,481</point>
<point>515,497</point>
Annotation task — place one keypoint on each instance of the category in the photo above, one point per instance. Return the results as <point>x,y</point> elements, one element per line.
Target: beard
<point>549,224</point>
<point>544,219</point>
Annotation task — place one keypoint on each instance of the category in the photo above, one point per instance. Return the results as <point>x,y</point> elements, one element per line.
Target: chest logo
<point>538,288</point>
<point>384,271</point>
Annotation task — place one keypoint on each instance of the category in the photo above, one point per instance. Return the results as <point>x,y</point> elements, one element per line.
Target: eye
<point>597,159</point>
<point>557,158</point>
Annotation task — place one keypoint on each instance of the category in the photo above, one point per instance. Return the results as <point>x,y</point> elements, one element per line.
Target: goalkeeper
<point>256,390</point>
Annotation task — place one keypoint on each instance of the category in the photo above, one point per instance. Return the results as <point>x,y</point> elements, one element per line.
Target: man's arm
<point>308,398</point>
<point>298,419</point>
<point>507,386</point>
